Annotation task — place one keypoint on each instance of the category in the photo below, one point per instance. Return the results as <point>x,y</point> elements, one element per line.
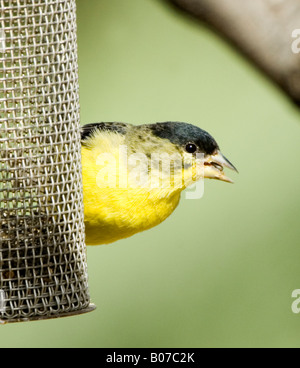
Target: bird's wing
<point>88,130</point>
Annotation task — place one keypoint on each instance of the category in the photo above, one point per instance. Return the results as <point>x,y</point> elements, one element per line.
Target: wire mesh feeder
<point>43,270</point>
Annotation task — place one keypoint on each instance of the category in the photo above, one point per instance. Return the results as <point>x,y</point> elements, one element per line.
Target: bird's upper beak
<point>214,167</point>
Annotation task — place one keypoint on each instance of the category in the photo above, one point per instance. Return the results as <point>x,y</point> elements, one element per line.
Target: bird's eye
<point>191,148</point>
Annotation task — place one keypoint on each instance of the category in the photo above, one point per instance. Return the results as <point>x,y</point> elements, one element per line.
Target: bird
<point>134,175</point>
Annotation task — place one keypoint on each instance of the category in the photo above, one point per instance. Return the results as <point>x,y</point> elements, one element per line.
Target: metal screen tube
<point>43,269</point>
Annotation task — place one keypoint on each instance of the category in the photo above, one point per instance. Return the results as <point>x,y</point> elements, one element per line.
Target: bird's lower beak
<point>214,167</point>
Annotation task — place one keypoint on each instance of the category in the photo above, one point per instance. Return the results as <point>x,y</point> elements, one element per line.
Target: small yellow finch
<point>133,176</point>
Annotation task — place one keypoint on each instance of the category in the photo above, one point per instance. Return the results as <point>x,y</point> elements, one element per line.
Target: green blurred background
<point>221,270</point>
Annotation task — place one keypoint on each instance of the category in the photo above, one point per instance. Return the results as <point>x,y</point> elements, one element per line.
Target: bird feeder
<point>43,268</point>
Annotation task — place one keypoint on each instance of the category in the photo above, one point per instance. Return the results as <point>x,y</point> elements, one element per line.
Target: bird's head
<point>196,147</point>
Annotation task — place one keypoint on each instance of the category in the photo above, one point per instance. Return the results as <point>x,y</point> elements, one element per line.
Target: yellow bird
<point>133,176</point>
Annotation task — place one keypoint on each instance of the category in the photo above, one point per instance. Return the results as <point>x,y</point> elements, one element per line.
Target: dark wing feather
<point>88,130</point>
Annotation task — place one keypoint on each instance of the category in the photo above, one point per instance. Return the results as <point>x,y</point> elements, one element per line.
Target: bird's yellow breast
<point>113,210</point>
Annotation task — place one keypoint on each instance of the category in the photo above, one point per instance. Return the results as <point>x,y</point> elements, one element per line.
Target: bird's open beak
<point>214,167</point>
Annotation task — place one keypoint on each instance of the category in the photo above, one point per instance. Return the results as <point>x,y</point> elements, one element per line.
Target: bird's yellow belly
<point>112,213</point>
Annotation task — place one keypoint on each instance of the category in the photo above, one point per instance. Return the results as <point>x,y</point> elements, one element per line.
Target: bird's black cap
<point>183,133</point>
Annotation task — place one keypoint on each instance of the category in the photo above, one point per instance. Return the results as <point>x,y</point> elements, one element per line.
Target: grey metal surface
<point>43,270</point>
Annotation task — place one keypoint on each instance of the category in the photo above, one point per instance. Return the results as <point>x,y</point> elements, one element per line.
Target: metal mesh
<point>43,269</point>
